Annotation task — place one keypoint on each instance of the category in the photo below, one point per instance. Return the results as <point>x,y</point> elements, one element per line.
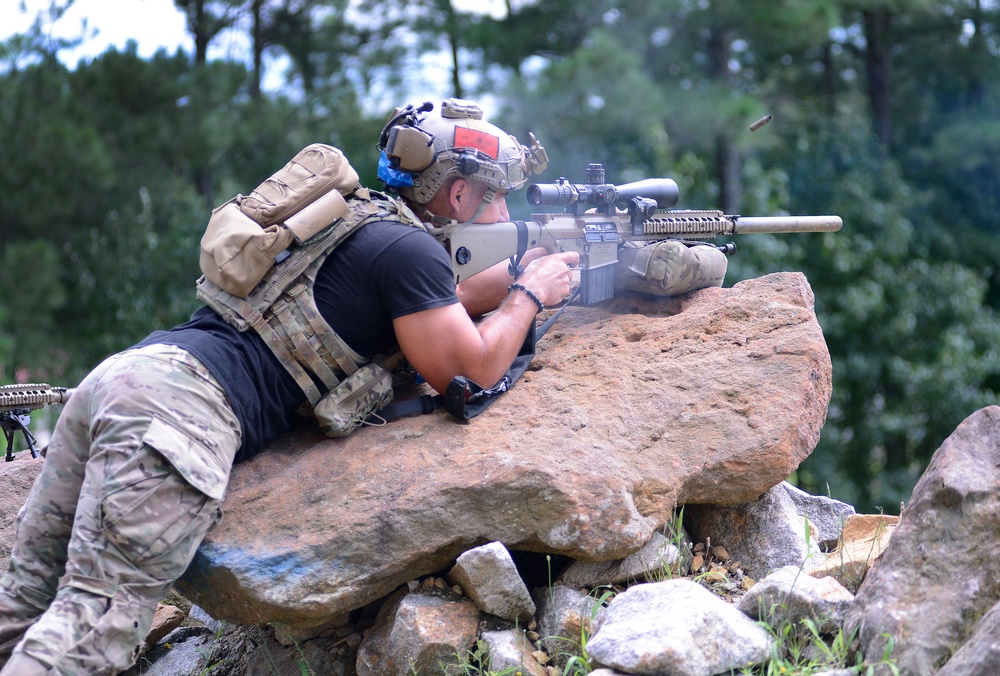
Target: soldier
<point>138,464</point>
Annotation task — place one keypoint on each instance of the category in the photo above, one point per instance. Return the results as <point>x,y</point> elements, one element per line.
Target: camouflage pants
<point>133,479</point>
<point>669,268</point>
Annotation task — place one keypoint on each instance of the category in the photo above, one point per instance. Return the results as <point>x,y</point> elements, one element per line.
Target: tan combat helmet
<point>422,148</point>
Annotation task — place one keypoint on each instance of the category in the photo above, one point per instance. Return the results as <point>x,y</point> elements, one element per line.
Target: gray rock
<point>764,534</point>
<point>565,617</point>
<point>981,653</point>
<point>615,424</point>
<point>189,652</point>
<point>489,577</point>
<point>676,627</point>
<point>789,595</point>
<point>938,574</point>
<point>418,633</point>
<point>509,651</point>
<point>198,614</point>
<point>826,514</point>
<point>659,558</point>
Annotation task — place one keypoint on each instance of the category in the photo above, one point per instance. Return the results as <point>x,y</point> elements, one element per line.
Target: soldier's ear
<point>458,193</point>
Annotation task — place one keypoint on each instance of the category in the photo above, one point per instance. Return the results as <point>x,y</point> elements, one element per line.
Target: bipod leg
<point>12,423</point>
<point>8,433</point>
<point>30,438</point>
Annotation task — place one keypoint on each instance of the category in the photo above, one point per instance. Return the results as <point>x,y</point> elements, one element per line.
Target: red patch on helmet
<point>477,140</point>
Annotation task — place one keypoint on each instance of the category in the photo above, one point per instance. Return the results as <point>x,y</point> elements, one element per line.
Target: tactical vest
<point>341,387</point>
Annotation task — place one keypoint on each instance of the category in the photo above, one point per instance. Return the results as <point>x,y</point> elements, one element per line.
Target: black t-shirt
<point>384,271</point>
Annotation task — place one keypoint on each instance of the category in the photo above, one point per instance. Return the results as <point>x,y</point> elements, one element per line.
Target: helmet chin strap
<point>484,204</point>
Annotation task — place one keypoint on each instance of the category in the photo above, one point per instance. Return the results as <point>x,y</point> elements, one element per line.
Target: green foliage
<point>802,650</point>
<point>912,341</point>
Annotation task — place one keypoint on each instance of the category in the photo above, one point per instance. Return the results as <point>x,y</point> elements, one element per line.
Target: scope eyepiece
<point>551,194</point>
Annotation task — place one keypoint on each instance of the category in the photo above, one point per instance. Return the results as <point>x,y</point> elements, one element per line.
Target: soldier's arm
<point>443,342</point>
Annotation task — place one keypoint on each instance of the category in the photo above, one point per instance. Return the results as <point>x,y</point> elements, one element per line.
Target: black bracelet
<point>522,287</point>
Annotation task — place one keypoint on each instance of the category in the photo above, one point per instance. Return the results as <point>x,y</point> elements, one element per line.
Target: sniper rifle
<point>16,404</point>
<point>600,218</point>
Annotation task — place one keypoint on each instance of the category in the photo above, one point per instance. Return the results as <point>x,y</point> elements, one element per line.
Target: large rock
<point>16,479</point>
<point>631,408</point>
<point>939,575</point>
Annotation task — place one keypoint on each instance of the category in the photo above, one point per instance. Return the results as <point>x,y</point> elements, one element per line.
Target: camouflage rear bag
<point>669,268</point>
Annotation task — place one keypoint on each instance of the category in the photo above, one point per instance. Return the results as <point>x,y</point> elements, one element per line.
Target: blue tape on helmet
<point>392,177</point>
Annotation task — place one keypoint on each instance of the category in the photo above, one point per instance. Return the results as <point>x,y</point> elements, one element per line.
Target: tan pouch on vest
<point>247,234</point>
<point>346,406</point>
<point>236,252</point>
<point>307,194</point>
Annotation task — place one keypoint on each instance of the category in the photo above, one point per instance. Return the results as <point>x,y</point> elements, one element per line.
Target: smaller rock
<point>490,578</point>
<point>566,617</point>
<point>418,632</point>
<point>789,595</point>
<point>981,653</point>
<point>864,538</point>
<point>509,650</point>
<point>676,626</point>
<point>165,620</point>
<point>827,515</point>
<point>765,534</point>
<point>659,558</point>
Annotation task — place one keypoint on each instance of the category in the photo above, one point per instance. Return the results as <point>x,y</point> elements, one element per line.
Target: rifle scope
<point>562,193</point>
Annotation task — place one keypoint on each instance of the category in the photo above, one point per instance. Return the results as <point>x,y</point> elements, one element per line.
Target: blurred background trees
<point>886,113</point>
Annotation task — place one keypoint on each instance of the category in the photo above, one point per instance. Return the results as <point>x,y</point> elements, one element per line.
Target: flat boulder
<point>630,408</point>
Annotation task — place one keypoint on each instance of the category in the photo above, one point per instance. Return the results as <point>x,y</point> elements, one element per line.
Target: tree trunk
<point>878,65</point>
<point>728,162</point>
<point>976,91</point>
<point>729,169</point>
<point>202,34</point>
<point>451,24</point>
<point>829,80</point>
<point>258,49</point>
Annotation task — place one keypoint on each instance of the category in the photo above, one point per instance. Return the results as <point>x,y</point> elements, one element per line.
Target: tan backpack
<point>260,256</point>
<point>248,234</point>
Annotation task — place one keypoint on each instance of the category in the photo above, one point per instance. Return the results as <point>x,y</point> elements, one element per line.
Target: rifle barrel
<point>32,396</point>
<point>777,224</point>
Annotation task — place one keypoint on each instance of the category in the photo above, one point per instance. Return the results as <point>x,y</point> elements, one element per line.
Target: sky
<point>151,23</point>
<point>158,24</point>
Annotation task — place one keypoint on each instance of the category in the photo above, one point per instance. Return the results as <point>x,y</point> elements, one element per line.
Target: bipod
<point>12,422</point>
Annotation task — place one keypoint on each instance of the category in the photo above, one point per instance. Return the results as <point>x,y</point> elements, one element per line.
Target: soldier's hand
<point>549,277</point>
